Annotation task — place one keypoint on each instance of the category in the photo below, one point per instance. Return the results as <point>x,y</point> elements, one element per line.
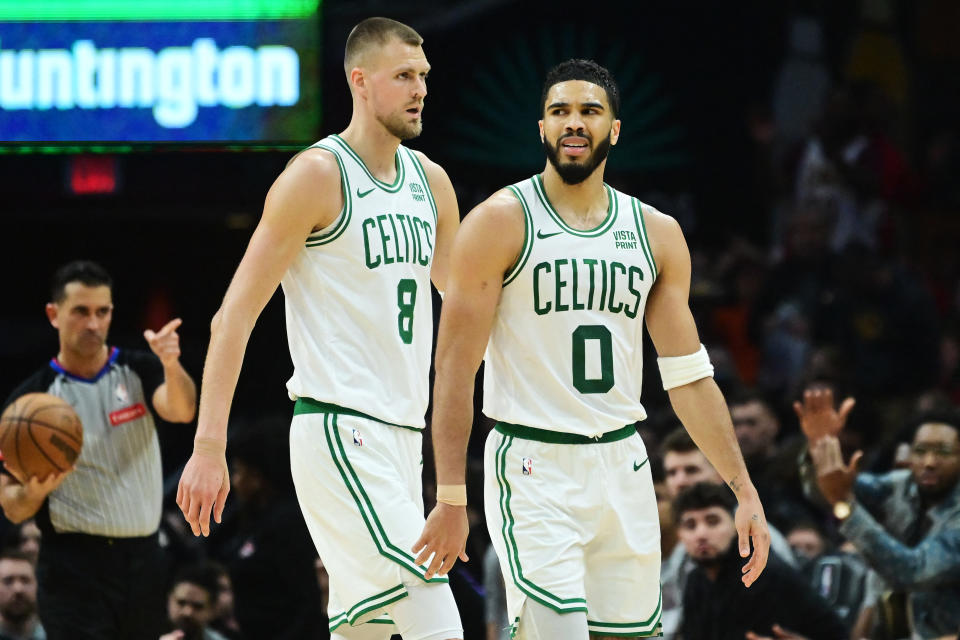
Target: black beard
<point>711,562</point>
<point>576,172</point>
<point>935,494</point>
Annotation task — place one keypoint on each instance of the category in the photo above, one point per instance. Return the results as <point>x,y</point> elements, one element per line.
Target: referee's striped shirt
<point>116,490</point>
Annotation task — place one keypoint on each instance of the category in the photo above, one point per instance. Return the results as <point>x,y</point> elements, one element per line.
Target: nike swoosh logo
<point>364,193</point>
<point>636,467</point>
<point>544,236</point>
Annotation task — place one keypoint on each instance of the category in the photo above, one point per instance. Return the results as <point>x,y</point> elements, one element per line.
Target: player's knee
<point>429,612</point>
<point>366,631</point>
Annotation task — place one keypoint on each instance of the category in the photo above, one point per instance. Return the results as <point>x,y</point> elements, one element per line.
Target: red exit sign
<point>93,174</point>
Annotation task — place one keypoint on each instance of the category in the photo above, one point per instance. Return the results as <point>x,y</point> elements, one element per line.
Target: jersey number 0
<point>581,382</point>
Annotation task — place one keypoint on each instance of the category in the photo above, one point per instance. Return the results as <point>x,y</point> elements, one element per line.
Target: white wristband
<point>676,371</point>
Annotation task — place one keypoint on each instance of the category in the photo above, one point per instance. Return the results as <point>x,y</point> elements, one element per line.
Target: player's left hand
<point>166,342</point>
<point>752,525</point>
<point>779,633</point>
<point>444,537</point>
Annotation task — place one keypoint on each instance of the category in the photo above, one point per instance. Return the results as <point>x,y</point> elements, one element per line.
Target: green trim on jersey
<point>389,188</point>
<point>560,437</point>
<point>325,236</point>
<point>642,230</point>
<point>612,208</point>
<point>309,405</point>
<point>367,605</point>
<point>649,628</point>
<point>542,596</point>
<point>418,167</point>
<point>514,271</point>
<point>386,548</point>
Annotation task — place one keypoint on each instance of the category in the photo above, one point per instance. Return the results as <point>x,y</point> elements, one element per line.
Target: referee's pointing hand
<point>166,342</point>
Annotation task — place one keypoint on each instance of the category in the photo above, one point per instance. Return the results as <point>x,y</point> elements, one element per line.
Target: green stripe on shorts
<point>648,628</point>
<point>560,437</point>
<point>386,548</point>
<point>369,604</point>
<point>544,597</point>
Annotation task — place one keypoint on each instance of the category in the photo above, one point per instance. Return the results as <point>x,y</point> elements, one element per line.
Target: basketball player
<point>354,229</point>
<point>554,277</point>
<point>100,569</point>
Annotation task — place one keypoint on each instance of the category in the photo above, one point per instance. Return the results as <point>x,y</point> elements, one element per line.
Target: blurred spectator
<point>807,542</point>
<point>30,537</point>
<point>802,83</point>
<point>23,537</point>
<point>191,605</point>
<point>905,523</point>
<point>839,577</point>
<point>684,466</point>
<point>756,426</point>
<point>268,551</point>
<point>668,531</point>
<point>18,598</point>
<point>883,319</point>
<point>876,53</point>
<point>772,466</point>
<point>734,318</point>
<point>716,604</point>
<point>224,619</point>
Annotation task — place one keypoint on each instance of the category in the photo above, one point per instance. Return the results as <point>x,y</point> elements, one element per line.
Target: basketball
<point>40,434</point>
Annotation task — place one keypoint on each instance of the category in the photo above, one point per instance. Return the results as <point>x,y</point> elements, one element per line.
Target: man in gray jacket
<point>906,523</point>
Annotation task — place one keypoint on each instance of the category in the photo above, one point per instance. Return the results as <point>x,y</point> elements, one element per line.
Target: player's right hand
<point>751,523</point>
<point>203,489</point>
<point>444,537</point>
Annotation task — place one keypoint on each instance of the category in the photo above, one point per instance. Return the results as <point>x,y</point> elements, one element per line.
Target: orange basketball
<point>40,434</point>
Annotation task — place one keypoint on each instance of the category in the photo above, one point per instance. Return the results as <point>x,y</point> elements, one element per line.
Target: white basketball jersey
<point>358,303</point>
<point>565,352</point>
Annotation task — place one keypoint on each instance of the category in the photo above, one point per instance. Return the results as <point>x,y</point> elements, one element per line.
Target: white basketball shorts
<point>575,526</point>
<point>359,485</point>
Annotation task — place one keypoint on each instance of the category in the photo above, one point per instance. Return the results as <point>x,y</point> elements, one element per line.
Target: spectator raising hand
<point>818,416</point>
<point>834,478</point>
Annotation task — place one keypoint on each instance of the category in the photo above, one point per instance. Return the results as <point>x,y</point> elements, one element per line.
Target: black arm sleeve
<point>147,366</point>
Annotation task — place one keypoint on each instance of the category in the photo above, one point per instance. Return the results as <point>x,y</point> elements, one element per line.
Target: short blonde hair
<point>376,32</point>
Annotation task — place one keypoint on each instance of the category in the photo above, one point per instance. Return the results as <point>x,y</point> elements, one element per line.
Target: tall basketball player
<point>354,230</point>
<point>554,277</point>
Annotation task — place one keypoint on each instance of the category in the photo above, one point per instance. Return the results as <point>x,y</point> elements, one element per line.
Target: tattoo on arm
<point>756,517</point>
<point>735,485</point>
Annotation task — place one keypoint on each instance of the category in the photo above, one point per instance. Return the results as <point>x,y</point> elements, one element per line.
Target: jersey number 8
<point>406,299</point>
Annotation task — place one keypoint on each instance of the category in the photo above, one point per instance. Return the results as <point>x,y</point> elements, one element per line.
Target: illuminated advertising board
<point>147,71</point>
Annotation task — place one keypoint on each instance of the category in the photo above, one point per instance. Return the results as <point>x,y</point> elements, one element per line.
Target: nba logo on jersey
<point>121,393</point>
<point>528,466</point>
<point>357,438</point>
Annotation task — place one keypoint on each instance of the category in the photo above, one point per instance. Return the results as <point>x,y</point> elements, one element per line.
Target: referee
<point>100,571</point>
